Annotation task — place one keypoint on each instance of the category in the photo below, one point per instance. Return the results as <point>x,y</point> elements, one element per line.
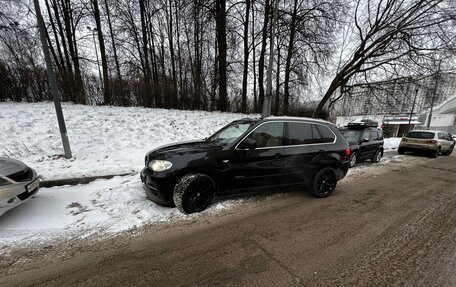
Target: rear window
<point>420,135</point>
<point>303,133</point>
<point>326,134</point>
<point>351,135</point>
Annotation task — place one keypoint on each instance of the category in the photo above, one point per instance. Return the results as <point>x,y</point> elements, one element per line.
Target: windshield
<point>351,136</point>
<point>420,135</point>
<point>230,133</point>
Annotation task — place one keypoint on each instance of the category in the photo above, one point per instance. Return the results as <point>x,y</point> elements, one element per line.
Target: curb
<point>79,180</point>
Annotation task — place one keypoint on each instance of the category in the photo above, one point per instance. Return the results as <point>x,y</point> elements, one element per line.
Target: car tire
<point>377,156</point>
<point>449,151</point>
<point>193,192</point>
<point>324,182</point>
<point>435,153</point>
<point>353,159</point>
<point>400,150</point>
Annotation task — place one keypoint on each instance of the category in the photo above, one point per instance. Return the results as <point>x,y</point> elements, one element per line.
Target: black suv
<point>365,139</point>
<point>244,156</point>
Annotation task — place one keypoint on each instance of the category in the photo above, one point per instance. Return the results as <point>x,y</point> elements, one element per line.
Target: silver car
<point>18,183</point>
<point>433,142</point>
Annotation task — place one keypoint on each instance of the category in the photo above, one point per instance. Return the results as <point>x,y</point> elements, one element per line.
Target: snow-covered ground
<point>104,140</point>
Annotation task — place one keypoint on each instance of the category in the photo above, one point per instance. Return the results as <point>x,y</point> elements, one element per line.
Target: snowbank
<point>104,140</point>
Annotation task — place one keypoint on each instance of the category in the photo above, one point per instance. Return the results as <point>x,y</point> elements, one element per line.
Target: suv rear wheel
<point>449,151</point>
<point>193,192</point>
<point>435,153</point>
<point>324,182</point>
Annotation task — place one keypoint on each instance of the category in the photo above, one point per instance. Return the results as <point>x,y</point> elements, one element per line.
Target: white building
<point>392,104</point>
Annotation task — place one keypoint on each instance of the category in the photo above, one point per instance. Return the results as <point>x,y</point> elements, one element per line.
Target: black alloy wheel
<point>194,192</point>
<point>324,182</point>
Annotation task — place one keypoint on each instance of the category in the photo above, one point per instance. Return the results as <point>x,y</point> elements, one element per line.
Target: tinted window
<point>443,136</point>
<point>420,135</point>
<point>373,135</point>
<point>326,134</point>
<point>268,135</point>
<point>352,136</point>
<point>303,133</point>
<point>380,135</point>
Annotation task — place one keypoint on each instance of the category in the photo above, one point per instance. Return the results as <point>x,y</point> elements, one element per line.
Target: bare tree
<point>391,34</point>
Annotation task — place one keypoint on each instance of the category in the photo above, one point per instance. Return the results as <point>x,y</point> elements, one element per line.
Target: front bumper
<point>15,194</point>
<point>159,188</point>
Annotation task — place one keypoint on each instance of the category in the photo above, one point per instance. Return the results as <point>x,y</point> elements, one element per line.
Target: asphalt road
<point>394,229</point>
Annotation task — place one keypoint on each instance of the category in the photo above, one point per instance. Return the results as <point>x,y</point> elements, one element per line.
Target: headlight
<point>160,165</point>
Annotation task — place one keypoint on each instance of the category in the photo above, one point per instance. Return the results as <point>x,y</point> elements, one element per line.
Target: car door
<point>304,151</point>
<point>262,166</point>
<point>445,143</point>
<point>369,144</point>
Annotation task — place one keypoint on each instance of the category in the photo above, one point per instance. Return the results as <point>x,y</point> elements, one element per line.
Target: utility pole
<point>433,95</point>
<point>52,80</point>
<point>267,97</point>
<point>411,112</point>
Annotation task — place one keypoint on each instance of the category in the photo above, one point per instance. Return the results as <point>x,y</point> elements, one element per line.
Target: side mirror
<point>248,144</point>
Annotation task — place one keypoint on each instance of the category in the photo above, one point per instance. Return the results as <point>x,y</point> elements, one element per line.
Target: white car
<point>18,183</point>
<point>433,142</point>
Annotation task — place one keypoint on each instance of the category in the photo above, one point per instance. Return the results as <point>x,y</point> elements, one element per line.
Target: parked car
<point>247,155</point>
<point>429,141</point>
<point>18,183</point>
<point>365,140</point>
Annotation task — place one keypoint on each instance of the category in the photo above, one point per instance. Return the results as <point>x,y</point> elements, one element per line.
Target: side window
<point>268,135</point>
<point>380,135</point>
<point>326,134</point>
<point>441,136</point>
<point>373,136</point>
<point>302,133</point>
<point>365,135</point>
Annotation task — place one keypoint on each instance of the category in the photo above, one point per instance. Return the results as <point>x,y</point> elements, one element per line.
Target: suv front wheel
<point>193,192</point>
<point>324,182</point>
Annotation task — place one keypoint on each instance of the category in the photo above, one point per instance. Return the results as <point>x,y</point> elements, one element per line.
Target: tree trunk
<point>246,57</point>
<point>255,105</point>
<point>104,63</point>
<point>171,52</point>
<point>114,48</point>
<point>221,42</point>
<point>267,9</point>
<point>277,92</point>
<point>289,58</point>
<point>147,79</point>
